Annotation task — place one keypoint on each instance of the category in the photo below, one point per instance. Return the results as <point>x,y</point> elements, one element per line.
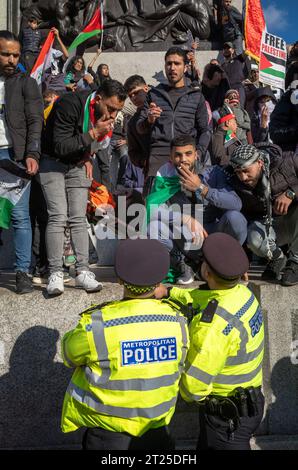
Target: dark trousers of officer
<point>215,432</point>
<point>102,439</point>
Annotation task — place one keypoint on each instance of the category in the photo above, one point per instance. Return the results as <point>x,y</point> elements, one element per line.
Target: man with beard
<point>268,188</point>
<point>181,186</point>
<point>21,118</point>
<point>237,69</point>
<point>79,125</point>
<point>171,110</point>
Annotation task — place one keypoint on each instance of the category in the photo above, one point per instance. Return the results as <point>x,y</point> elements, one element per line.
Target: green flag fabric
<point>166,184</point>
<point>93,28</point>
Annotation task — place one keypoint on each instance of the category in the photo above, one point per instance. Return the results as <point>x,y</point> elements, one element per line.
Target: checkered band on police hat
<point>138,290</point>
<point>244,156</point>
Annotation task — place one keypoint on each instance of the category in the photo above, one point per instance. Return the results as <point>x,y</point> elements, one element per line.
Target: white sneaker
<point>55,283</point>
<point>86,280</point>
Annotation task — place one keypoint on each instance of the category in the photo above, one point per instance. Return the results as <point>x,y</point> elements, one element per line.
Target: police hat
<point>141,262</point>
<point>225,256</point>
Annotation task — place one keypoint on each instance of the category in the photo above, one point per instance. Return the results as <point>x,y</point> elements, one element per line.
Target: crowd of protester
<point>230,139</point>
<point>212,158</point>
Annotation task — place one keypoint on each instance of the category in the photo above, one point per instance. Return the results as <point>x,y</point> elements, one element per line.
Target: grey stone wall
<point>148,64</point>
<point>3,14</point>
<point>33,379</point>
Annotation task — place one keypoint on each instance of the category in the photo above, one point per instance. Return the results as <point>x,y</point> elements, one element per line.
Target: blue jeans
<point>21,224</point>
<point>171,235</point>
<point>232,223</point>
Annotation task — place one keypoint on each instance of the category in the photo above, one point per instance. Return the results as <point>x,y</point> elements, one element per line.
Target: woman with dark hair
<point>76,77</point>
<point>102,73</point>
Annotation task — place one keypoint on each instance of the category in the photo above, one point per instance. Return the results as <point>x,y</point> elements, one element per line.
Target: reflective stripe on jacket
<point>128,357</point>
<point>227,352</point>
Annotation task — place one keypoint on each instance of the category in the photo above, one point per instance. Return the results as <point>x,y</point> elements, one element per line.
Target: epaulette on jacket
<point>187,310</point>
<point>93,308</point>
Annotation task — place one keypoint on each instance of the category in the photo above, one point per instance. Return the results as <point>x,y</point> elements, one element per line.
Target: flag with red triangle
<point>94,27</point>
<point>264,62</point>
<point>273,60</point>
<point>229,138</point>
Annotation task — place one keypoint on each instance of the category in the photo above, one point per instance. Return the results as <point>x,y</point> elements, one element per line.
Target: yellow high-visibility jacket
<point>129,356</point>
<point>226,349</point>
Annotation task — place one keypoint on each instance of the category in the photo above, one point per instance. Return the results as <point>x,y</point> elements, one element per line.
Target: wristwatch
<point>290,194</point>
<point>200,189</point>
<point>201,192</point>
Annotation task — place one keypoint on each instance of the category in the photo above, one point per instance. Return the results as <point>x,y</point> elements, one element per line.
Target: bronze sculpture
<point>127,6</point>
<point>129,24</point>
<point>63,14</point>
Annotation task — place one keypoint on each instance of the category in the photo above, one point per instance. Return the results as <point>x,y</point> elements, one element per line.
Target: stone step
<point>33,379</point>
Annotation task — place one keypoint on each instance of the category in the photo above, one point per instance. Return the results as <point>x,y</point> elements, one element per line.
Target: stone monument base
<point>148,64</point>
<point>33,379</point>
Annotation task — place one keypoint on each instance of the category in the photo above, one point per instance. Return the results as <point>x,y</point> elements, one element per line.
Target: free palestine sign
<point>273,59</point>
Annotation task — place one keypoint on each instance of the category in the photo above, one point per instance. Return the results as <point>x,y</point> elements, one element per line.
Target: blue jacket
<point>221,196</point>
<point>30,40</point>
<point>189,117</point>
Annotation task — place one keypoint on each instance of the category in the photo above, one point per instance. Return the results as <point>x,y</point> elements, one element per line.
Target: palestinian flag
<point>272,65</point>
<point>229,138</point>
<point>43,61</point>
<point>166,184</point>
<point>273,61</point>
<point>89,121</point>
<point>254,25</point>
<point>94,27</point>
<point>12,188</point>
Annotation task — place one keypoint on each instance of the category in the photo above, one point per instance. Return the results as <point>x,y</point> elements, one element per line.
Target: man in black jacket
<point>171,110</point>
<point>283,127</point>
<point>214,86</point>
<point>237,69</point>
<point>231,20</point>
<point>21,118</point>
<point>79,125</point>
<point>267,185</point>
<point>138,146</point>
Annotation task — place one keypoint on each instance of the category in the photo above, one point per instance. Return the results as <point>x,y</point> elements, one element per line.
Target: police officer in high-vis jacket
<point>223,371</point>
<point>128,357</point>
